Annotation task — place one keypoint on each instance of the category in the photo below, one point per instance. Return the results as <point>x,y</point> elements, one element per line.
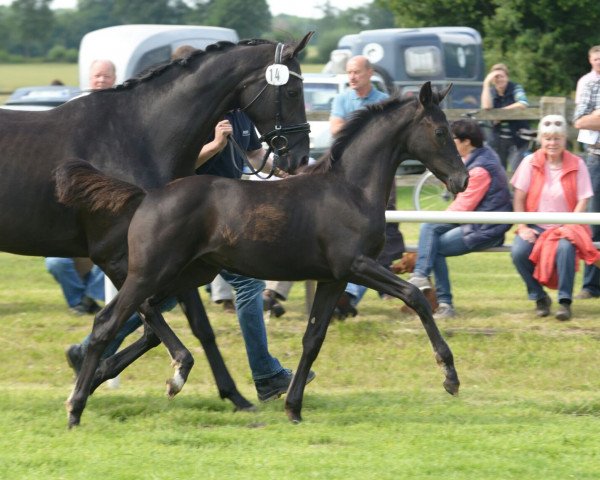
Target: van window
<point>460,60</point>
<point>151,58</point>
<point>424,61</point>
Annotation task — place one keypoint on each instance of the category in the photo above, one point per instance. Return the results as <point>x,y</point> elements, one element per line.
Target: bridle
<point>276,139</point>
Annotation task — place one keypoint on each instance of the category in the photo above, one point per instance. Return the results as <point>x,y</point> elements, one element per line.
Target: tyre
<point>430,193</point>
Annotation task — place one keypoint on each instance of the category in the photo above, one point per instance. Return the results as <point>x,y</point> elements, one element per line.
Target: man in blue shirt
<point>270,378</point>
<point>360,94</point>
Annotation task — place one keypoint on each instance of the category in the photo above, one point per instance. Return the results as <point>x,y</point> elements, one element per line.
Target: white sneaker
<point>113,383</point>
<point>444,310</point>
<point>422,283</point>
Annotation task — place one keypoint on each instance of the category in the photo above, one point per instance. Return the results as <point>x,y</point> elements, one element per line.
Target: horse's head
<point>430,141</point>
<point>274,100</point>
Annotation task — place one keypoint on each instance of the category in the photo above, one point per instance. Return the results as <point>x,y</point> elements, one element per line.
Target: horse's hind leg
<point>326,296</point>
<point>200,325</point>
<point>106,324</point>
<point>182,359</point>
<point>112,366</point>
<point>369,273</point>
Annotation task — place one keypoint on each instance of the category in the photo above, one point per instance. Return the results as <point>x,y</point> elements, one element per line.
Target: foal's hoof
<point>451,387</point>
<point>173,387</point>
<point>73,421</point>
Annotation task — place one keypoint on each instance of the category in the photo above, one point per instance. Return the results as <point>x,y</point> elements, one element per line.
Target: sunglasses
<point>558,123</point>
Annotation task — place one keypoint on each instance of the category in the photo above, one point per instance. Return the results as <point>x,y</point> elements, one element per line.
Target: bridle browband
<point>275,139</point>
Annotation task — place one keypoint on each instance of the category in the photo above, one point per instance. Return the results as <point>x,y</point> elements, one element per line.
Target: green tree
<point>33,21</point>
<point>248,18</point>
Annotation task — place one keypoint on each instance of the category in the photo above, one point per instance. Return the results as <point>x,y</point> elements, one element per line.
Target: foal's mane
<point>160,69</point>
<point>355,123</point>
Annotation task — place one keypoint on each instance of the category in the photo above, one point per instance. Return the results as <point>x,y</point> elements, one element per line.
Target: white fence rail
<point>423,216</point>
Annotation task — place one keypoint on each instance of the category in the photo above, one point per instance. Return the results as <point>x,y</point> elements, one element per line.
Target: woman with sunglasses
<point>552,180</point>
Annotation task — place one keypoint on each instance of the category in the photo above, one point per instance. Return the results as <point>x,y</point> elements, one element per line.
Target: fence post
<point>553,106</point>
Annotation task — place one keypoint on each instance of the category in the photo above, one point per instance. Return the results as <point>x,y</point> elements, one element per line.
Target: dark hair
<point>468,129</point>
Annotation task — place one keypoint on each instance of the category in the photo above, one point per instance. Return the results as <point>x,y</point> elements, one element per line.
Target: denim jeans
<point>249,306</point>
<point>591,274</point>
<point>73,286</point>
<point>356,292</point>
<point>436,242</point>
<point>565,266</point>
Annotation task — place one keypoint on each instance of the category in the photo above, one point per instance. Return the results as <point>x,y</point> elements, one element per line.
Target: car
<point>39,98</point>
<point>319,91</point>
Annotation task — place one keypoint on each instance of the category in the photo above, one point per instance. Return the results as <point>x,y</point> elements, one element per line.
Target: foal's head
<point>430,140</point>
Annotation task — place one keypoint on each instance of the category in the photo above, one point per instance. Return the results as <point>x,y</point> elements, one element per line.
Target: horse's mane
<point>355,123</point>
<point>157,70</point>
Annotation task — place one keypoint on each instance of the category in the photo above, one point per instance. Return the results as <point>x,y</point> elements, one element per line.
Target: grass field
<point>529,406</point>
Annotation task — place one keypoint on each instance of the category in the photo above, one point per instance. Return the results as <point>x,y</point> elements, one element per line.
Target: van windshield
<point>318,97</point>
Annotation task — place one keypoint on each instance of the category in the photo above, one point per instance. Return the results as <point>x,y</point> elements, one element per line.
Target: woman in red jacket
<point>551,180</point>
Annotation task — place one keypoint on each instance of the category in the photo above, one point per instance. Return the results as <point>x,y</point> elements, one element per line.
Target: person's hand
<point>528,234</point>
<point>489,79</point>
<point>222,131</point>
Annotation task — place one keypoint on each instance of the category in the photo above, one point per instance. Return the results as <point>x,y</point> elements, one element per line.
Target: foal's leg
<point>369,273</point>
<point>106,324</point>
<point>326,297</point>
<point>200,325</point>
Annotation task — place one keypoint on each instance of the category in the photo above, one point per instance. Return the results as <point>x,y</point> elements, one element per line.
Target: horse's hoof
<point>248,408</point>
<point>451,387</point>
<point>73,421</point>
<point>173,388</point>
<point>293,416</point>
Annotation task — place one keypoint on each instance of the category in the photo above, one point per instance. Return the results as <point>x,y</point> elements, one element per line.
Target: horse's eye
<point>293,93</point>
<point>440,132</point>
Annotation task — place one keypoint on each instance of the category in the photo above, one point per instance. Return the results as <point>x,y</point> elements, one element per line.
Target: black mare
<point>333,235</point>
<point>148,132</point>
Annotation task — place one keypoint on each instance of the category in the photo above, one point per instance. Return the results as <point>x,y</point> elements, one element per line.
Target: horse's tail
<point>79,184</point>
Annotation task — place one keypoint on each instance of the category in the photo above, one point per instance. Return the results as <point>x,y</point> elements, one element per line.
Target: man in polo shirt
<point>360,93</point>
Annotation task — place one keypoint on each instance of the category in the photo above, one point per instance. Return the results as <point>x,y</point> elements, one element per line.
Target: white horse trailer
<point>134,48</point>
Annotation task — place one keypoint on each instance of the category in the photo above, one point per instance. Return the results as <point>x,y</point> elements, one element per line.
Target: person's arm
<point>589,122</point>
<point>520,98</point>
<point>526,233</point>
<point>479,183</point>
<point>335,125</point>
<point>255,157</point>
<point>210,149</point>
<point>581,206</point>
<point>486,93</point>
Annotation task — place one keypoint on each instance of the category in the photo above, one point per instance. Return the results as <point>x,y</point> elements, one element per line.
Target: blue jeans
<point>356,292</point>
<point>436,242</point>
<point>565,266</point>
<point>73,286</point>
<point>249,307</point>
<point>591,274</point>
<point>130,326</point>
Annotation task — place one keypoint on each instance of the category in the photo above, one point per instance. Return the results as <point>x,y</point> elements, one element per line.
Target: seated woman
<point>552,180</point>
<point>487,191</point>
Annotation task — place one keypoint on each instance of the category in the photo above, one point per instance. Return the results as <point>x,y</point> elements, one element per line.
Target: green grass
<point>529,406</point>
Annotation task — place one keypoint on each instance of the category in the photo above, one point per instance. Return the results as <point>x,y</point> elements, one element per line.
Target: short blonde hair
<point>499,66</point>
<point>552,125</point>
<point>594,49</point>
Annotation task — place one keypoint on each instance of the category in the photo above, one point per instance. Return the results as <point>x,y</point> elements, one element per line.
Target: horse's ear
<point>444,92</point>
<point>426,95</point>
<point>302,44</point>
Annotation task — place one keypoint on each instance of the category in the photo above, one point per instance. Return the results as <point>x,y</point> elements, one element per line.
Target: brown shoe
<point>585,295</point>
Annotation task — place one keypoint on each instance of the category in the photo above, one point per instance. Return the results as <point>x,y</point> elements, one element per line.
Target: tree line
<point>544,43</point>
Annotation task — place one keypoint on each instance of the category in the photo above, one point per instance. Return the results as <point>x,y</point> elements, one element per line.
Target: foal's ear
<point>426,95</point>
<point>302,44</point>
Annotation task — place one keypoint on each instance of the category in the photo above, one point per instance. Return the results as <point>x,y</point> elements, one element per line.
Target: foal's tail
<point>79,184</point>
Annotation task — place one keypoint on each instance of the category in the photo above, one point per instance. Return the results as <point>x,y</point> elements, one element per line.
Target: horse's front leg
<point>182,359</point>
<point>106,325</point>
<point>200,325</point>
<point>367,272</point>
<point>326,297</point>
